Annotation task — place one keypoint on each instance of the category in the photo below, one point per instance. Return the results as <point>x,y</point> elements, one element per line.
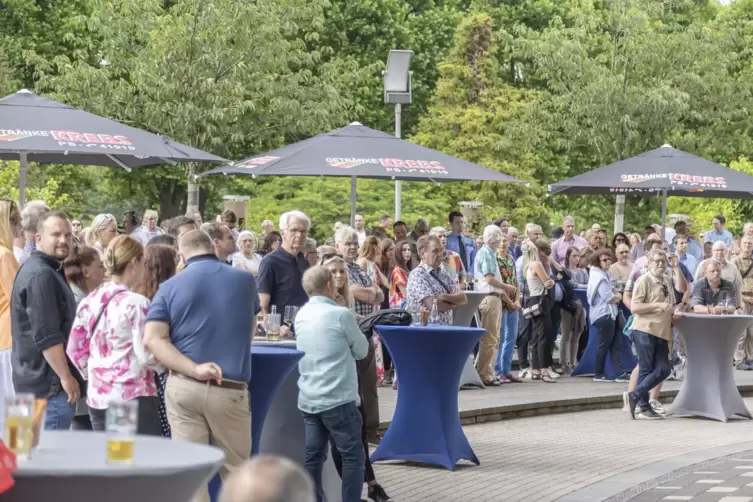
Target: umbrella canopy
<point>361,152</point>
<point>663,169</point>
<point>42,130</point>
<point>357,151</point>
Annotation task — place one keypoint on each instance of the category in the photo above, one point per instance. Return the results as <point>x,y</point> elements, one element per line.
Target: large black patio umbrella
<point>42,130</point>
<point>663,171</point>
<point>357,151</point>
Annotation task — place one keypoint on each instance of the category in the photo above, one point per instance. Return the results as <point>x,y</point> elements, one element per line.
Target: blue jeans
<point>60,413</point>
<point>343,424</point>
<point>653,364</point>
<point>508,333</point>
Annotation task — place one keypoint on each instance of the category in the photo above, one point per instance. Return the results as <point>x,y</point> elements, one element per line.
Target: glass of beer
<point>273,327</point>
<point>19,425</point>
<point>121,425</point>
<point>424,317</point>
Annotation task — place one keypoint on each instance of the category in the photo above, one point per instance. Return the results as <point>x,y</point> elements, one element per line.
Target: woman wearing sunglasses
<point>103,229</point>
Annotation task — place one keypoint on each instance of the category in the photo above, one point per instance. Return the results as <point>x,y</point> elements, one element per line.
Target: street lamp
<point>398,91</point>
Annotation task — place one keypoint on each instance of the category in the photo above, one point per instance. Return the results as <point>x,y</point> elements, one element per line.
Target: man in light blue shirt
<point>719,233</point>
<point>328,386</point>
<point>680,243</point>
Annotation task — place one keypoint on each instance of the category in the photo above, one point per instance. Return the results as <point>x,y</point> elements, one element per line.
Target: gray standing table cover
<point>284,431</point>
<point>462,316</point>
<point>709,389</point>
<point>71,466</point>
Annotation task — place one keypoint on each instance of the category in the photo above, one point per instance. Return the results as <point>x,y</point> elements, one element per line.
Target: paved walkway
<point>529,398</point>
<point>578,457</point>
<point>727,479</point>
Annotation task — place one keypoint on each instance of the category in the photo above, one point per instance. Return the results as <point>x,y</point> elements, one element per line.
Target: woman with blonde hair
<point>149,228</point>
<point>367,256</point>
<point>103,229</point>
<point>10,226</point>
<point>107,340</point>
<point>536,308</point>
<point>336,264</point>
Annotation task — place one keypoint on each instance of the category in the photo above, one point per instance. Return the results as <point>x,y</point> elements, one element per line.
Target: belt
<point>226,384</point>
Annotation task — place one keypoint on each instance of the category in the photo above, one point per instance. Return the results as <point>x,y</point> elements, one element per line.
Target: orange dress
<point>8,269</point>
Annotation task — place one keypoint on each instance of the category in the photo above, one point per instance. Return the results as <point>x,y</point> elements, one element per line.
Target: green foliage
<point>49,191</point>
<point>468,118</point>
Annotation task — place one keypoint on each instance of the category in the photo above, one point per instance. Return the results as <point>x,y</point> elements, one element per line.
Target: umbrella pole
<point>353,202</point>
<point>22,180</point>
<point>663,213</point>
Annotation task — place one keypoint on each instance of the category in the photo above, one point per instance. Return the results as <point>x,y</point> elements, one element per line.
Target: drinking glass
<point>19,424</point>
<point>290,313</point>
<point>121,425</point>
<point>415,318</point>
<point>424,317</point>
<point>273,327</point>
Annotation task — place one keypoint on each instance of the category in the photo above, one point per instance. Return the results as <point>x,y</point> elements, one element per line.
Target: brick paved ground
<point>725,480</point>
<point>545,458</point>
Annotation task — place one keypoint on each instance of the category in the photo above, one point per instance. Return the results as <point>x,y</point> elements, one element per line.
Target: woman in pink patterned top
<point>106,342</point>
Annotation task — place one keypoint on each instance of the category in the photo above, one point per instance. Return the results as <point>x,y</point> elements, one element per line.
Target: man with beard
<point>42,313</point>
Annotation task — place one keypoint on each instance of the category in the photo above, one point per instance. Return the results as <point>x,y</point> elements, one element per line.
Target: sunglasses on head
<point>329,256</point>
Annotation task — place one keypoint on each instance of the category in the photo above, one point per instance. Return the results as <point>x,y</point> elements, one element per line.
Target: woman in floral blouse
<point>399,278</point>
<point>106,343</point>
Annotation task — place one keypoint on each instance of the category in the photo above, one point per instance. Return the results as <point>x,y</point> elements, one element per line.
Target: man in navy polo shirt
<point>281,271</point>
<point>200,326</point>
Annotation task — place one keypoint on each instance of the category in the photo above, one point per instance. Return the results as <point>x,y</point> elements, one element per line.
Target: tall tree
<point>226,76</point>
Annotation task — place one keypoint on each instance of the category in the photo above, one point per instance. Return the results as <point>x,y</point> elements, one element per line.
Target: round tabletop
<point>67,453</point>
<point>263,342</point>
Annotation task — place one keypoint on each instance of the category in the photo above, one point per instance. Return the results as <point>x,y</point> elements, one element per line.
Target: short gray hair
<point>512,230</point>
<point>344,233</point>
<point>719,244</point>
<point>530,227</point>
<point>655,254</point>
<point>294,215</point>
<point>437,231</point>
<point>492,233</point>
<point>31,213</point>
<point>315,280</point>
<point>310,246</point>
<point>566,219</point>
<point>268,478</point>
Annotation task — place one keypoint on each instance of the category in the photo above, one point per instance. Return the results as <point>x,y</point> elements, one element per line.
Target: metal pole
<point>398,188</point>
<point>353,202</point>
<point>22,180</point>
<point>619,213</point>
<point>663,213</point>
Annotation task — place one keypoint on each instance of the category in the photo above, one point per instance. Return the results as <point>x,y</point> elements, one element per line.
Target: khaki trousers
<point>491,316</point>
<point>217,416</point>
<point>744,351</point>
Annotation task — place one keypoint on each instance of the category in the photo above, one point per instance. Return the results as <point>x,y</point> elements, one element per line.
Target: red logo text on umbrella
<point>71,138</point>
<point>390,165</point>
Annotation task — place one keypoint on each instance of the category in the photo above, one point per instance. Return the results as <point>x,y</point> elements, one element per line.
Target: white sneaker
<point>678,371</point>
<point>552,374</point>
<point>657,407</point>
<point>625,402</point>
<point>525,374</point>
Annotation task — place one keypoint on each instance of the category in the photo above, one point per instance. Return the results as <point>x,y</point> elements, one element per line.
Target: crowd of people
<point>165,315</point>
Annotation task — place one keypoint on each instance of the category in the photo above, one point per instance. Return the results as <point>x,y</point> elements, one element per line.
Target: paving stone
<point>545,458</point>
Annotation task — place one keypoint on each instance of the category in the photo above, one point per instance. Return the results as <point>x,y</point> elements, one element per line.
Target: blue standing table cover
<point>587,363</point>
<point>426,425</point>
<point>269,368</point>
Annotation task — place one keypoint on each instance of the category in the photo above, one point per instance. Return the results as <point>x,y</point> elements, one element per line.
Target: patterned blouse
<point>507,270</point>
<point>111,355</point>
<point>357,276</point>
<point>424,282</point>
<point>399,278</point>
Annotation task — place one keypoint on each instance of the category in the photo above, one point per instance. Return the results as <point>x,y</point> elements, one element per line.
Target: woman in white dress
<point>247,259</point>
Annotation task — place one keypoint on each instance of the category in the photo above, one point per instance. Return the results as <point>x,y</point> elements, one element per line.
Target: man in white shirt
<point>360,229</point>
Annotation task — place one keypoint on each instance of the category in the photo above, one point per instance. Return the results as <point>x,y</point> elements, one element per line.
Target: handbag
<point>534,309</point>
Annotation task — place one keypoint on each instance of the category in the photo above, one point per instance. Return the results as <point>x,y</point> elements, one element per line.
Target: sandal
<point>536,376</point>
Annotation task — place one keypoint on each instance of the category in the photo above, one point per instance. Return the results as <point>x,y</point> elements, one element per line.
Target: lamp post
<point>398,91</point>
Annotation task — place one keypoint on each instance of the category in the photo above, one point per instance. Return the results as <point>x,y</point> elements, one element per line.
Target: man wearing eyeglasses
<point>653,305</point>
